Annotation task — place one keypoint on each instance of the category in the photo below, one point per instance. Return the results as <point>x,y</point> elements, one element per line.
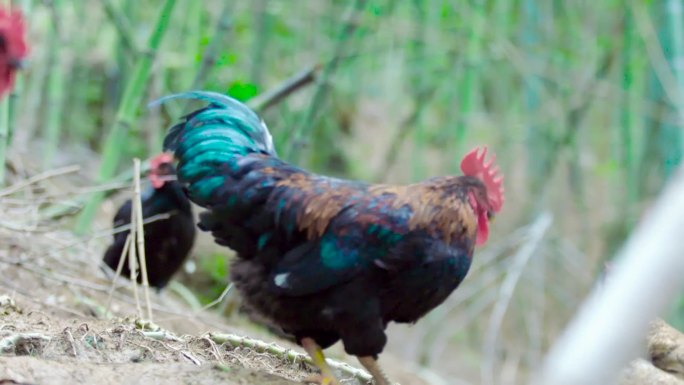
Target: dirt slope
<point>53,327</point>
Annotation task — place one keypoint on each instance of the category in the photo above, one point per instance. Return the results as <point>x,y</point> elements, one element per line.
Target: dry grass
<point>53,299</point>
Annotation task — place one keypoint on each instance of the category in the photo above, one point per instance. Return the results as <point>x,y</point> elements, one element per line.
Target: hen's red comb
<point>474,164</point>
<point>160,159</point>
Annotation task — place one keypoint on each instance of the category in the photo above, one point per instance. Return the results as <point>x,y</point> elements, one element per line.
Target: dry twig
<point>119,267</point>
<point>140,235</point>
<point>39,178</point>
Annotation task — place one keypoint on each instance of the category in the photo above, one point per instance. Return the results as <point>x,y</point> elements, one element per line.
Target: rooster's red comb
<point>474,164</point>
<point>160,159</point>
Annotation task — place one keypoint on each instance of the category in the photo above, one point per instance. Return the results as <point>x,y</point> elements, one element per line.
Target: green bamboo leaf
<point>242,91</point>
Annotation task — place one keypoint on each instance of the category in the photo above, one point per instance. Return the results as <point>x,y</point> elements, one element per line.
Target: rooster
<point>168,237</point>
<point>328,259</point>
<point>13,47</point>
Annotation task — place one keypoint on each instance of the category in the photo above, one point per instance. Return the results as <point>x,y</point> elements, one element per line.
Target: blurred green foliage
<point>580,100</point>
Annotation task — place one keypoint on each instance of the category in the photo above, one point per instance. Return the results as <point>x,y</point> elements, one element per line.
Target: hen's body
<point>326,258</point>
<point>167,241</point>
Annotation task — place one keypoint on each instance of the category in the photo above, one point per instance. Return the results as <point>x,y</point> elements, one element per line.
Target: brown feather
<point>436,204</point>
<point>439,205</point>
<point>317,210</point>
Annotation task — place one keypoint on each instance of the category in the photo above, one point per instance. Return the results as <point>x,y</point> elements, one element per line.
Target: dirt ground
<point>54,328</point>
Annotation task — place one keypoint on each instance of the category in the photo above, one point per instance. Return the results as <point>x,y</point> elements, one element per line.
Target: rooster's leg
<point>379,376</point>
<point>316,353</point>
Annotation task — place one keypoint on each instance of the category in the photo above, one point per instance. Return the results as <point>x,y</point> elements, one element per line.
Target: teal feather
<point>223,112</point>
<point>334,257</point>
<point>212,138</point>
<point>203,189</point>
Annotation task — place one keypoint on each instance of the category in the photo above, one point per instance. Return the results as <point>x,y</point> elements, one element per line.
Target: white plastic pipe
<point>611,326</point>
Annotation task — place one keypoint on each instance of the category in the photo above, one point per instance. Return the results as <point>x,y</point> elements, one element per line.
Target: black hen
<point>168,241</point>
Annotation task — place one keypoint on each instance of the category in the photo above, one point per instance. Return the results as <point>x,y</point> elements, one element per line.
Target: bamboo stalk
<point>4,137</point>
<point>126,114</point>
<point>55,87</point>
<point>191,36</point>
<point>468,86</point>
<point>535,135</point>
<point>573,118</point>
<point>125,51</point>
<point>33,99</point>
<point>18,89</point>
<point>123,27</point>
<point>628,114</point>
<point>407,124</point>
<point>211,53</point>
<point>153,120</point>
<point>321,93</point>
<point>13,107</point>
<point>8,108</point>
<point>663,90</point>
<point>417,83</point>
<point>259,46</point>
<point>675,13</point>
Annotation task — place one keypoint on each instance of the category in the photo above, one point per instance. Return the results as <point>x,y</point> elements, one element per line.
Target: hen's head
<point>13,47</point>
<point>161,169</point>
<point>486,202</point>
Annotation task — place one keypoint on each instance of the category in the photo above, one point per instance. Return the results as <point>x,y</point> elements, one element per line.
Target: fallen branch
<point>287,354</point>
<point>9,343</point>
<point>273,96</point>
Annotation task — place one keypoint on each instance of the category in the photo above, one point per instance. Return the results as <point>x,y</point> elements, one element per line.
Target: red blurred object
<point>13,47</point>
